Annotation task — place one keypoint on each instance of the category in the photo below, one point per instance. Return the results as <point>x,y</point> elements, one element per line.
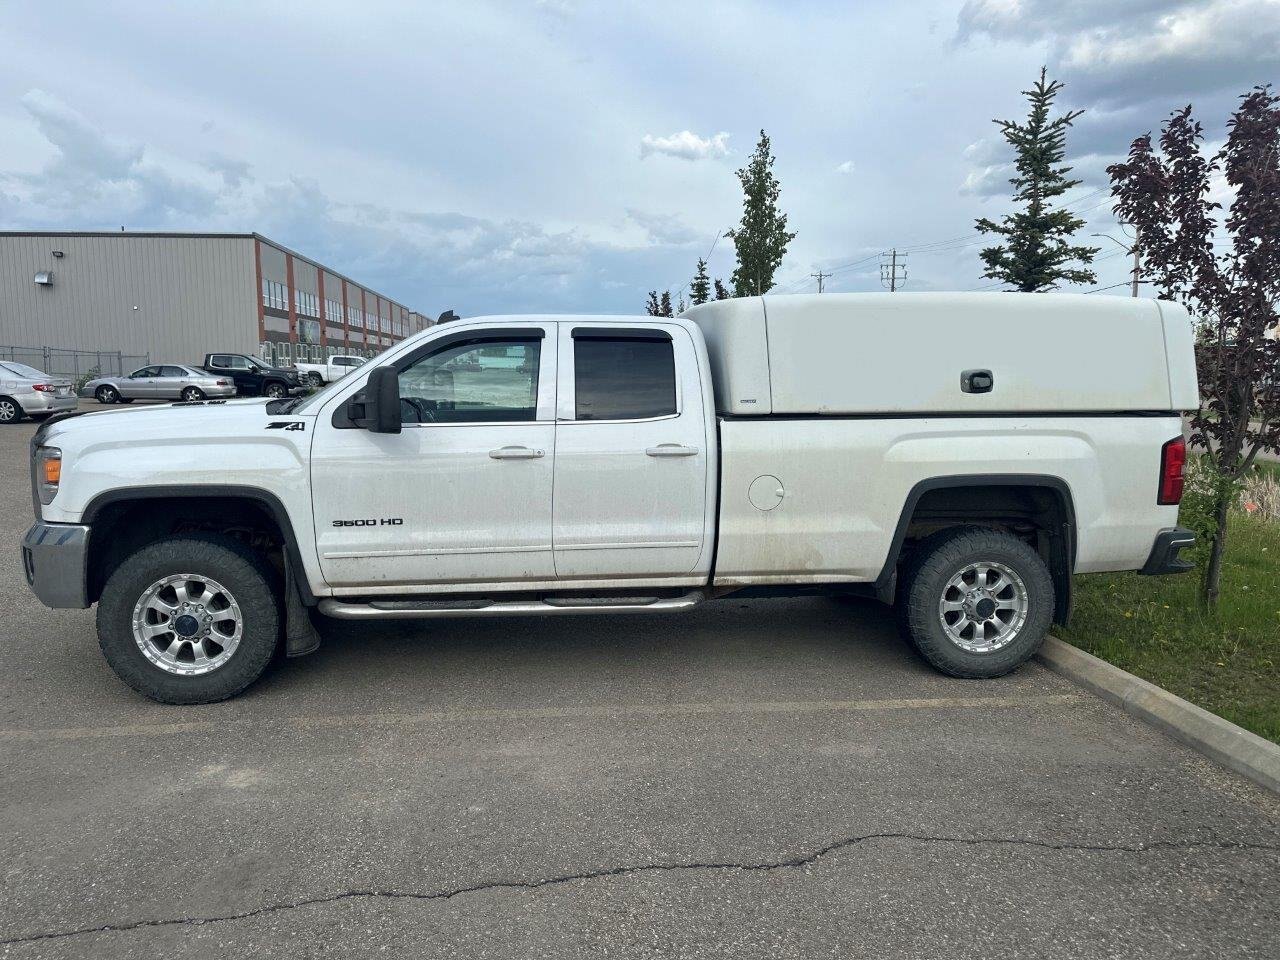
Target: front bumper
<point>38,402</point>
<point>54,559</point>
<point>1164,553</point>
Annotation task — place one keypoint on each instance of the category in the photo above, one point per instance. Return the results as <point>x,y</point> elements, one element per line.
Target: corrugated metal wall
<point>175,298</point>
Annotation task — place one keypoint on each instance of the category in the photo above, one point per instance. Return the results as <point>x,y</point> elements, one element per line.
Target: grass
<point>1227,662</point>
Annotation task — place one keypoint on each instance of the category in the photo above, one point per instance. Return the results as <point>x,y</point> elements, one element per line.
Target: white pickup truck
<point>335,368</point>
<point>960,455</point>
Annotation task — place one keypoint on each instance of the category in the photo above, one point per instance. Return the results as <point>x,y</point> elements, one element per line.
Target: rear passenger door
<point>631,453</point>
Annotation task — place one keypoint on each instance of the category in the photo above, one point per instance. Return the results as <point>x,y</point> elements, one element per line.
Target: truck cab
<point>252,377</point>
<point>557,465</point>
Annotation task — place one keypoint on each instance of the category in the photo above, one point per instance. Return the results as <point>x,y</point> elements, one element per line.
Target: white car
<point>26,391</point>
<point>960,455</point>
<point>337,367</point>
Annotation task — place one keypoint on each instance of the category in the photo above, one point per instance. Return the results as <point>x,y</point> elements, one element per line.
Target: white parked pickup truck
<point>335,368</point>
<point>959,455</point>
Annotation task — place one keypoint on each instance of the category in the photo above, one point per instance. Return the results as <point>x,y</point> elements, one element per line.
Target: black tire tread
<point>244,571</point>
<point>937,562</point>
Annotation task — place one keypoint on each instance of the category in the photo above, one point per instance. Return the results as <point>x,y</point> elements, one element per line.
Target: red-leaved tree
<point>1232,292</point>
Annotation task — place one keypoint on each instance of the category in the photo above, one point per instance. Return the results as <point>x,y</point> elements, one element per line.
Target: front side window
<point>623,378</point>
<point>473,382</point>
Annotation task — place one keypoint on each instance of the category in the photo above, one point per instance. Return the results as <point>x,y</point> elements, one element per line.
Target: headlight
<point>48,473</point>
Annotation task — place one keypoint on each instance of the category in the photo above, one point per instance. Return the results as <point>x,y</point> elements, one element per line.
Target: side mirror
<point>377,407</point>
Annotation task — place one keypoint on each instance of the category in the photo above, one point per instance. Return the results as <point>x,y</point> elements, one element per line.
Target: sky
<point>521,156</point>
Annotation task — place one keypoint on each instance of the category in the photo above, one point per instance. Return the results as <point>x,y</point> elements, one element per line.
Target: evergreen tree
<point>700,285</point>
<point>651,307</point>
<point>721,292</point>
<point>681,306</point>
<point>666,304</point>
<point>761,238</point>
<point>1036,254</point>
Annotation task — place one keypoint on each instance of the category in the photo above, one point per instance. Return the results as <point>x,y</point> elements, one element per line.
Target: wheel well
<point>122,527</point>
<point>1038,512</point>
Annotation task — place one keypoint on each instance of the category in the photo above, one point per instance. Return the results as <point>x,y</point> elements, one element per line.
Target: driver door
<point>462,495</point>
<point>140,385</point>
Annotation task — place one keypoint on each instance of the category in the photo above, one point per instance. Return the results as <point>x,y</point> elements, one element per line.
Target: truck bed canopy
<point>924,353</point>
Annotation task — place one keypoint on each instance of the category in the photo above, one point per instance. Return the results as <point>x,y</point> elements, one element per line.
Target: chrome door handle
<point>515,453</point>
<point>671,450</point>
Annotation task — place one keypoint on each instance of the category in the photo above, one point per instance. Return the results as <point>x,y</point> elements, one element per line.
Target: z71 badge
<point>287,425</point>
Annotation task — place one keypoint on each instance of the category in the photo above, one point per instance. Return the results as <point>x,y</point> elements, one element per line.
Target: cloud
<point>431,260</point>
<point>847,167</point>
<point>686,145</point>
<point>1128,52</point>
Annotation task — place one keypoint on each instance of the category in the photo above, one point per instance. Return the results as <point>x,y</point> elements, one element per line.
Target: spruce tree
<point>700,285</point>
<point>651,306</point>
<point>761,238</point>
<point>666,304</point>
<point>721,292</point>
<point>1036,254</point>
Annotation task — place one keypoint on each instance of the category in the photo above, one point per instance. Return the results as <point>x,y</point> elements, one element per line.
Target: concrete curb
<point>1233,747</point>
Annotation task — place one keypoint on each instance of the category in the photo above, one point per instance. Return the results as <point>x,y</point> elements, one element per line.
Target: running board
<point>422,609</point>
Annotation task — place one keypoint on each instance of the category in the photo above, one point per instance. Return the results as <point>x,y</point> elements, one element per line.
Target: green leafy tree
<point>700,285</point>
<point>1036,254</point>
<point>761,238</point>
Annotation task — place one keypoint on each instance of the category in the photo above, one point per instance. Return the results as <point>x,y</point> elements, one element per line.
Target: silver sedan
<point>164,381</point>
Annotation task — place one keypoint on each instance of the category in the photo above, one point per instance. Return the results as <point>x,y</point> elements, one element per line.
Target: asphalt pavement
<point>765,778</point>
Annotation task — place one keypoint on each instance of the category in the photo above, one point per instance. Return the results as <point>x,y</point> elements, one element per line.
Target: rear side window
<point>173,372</point>
<point>623,379</point>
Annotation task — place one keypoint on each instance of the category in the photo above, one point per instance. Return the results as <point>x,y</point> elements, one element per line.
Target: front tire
<point>107,394</point>
<point>10,410</point>
<point>315,380</point>
<point>276,391</point>
<point>191,619</point>
<point>978,602</point>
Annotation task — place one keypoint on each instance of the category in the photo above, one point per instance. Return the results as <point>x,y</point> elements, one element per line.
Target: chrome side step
<point>424,609</point>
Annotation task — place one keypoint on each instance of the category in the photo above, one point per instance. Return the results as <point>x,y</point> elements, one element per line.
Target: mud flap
<point>300,634</point>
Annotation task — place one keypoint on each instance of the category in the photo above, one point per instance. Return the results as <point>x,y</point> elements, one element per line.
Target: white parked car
<point>959,455</point>
<point>337,367</point>
<point>26,391</point>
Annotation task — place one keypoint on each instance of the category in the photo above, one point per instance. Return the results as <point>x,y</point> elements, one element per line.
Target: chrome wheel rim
<point>7,411</point>
<point>187,624</point>
<point>191,393</point>
<point>983,607</point>
<point>106,395</point>
<point>275,391</point>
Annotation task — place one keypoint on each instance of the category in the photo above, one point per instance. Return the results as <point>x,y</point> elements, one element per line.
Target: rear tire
<point>10,410</point>
<point>192,394</point>
<point>225,582</point>
<point>977,602</point>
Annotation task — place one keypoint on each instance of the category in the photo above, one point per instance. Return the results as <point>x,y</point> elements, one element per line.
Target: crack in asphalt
<point>605,873</point>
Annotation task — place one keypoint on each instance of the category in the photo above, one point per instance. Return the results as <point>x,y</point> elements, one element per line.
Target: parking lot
<point>771,778</point>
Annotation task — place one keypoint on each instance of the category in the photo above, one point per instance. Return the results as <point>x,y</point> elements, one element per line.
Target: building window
<point>308,330</point>
<point>333,310</point>
<point>275,295</point>
<point>307,304</point>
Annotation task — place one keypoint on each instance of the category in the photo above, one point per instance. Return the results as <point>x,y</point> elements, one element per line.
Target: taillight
<point>224,383</point>
<point>43,387</point>
<point>1173,462</point>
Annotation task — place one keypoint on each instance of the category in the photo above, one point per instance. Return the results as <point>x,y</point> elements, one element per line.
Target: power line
<point>889,275</point>
<point>820,276</point>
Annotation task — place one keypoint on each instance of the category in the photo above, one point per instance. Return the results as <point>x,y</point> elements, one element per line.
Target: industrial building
<point>178,296</point>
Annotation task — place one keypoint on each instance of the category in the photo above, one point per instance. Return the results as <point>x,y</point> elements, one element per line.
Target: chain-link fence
<point>75,364</point>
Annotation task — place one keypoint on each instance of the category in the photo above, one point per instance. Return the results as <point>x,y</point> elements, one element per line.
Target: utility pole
<point>819,276</point>
<point>889,272</point>
<point>1137,266</point>
<point>1127,248</point>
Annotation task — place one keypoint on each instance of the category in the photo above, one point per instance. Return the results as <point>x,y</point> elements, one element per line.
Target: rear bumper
<point>37,402</point>
<point>53,559</point>
<point>1164,553</point>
